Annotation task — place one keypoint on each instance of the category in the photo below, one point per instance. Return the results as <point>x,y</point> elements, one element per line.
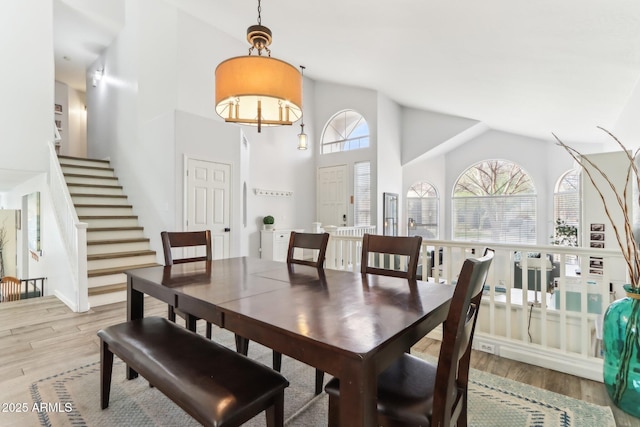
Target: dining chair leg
<point>106,367</point>
<point>277,361</point>
<point>319,381</point>
<point>208,330</point>
<point>275,413</point>
<point>333,419</point>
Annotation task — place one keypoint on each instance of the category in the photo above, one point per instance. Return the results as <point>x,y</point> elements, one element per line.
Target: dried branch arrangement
<point>623,232</point>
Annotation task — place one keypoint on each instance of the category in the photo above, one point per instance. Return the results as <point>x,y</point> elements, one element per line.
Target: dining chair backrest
<point>10,289</point>
<point>452,375</point>
<point>315,241</point>
<point>391,245</point>
<point>184,239</point>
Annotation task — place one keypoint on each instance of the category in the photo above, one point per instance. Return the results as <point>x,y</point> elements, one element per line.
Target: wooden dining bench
<point>215,385</point>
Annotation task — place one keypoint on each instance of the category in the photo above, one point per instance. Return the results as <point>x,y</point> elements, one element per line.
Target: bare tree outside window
<point>494,201</point>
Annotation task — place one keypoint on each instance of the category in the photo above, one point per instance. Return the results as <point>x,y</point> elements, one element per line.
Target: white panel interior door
<point>208,188</point>
<point>332,195</point>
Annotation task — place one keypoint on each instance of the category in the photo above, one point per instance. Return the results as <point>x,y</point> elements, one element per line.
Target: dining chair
<point>414,392</point>
<point>9,289</point>
<point>390,245</point>
<point>185,239</point>
<point>314,241</point>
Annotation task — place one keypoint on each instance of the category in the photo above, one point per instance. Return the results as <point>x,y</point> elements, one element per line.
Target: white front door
<point>208,188</point>
<point>332,195</point>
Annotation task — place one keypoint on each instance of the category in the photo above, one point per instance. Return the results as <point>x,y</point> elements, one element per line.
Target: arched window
<point>345,131</point>
<point>422,210</point>
<point>566,209</point>
<point>494,201</point>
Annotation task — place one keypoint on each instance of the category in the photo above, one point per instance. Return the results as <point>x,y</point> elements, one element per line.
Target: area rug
<point>71,398</point>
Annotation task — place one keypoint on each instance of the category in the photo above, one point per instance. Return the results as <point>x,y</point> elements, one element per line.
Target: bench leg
<point>106,367</point>
<point>242,345</point>
<point>275,413</point>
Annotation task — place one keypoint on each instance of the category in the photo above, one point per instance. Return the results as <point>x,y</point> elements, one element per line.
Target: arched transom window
<point>422,210</point>
<point>345,131</point>
<point>494,201</point>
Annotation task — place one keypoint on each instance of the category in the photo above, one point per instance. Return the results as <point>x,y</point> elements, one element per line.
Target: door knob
<point>227,229</point>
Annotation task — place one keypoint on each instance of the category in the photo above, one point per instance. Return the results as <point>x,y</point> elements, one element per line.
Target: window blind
<point>362,193</point>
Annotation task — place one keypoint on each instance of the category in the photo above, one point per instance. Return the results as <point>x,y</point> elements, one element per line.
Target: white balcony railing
<point>543,305</point>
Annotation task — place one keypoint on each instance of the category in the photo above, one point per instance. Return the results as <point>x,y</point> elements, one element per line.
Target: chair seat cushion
<point>206,379</point>
<point>405,390</point>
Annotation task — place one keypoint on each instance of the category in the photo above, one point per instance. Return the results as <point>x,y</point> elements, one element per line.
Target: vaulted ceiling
<point>530,68</point>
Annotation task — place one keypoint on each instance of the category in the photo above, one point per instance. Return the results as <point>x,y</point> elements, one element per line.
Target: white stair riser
<point>102,210</point>
<point>109,279</point>
<point>120,262</point>
<point>90,180</point>
<point>116,234</point>
<point>92,200</point>
<point>104,299</point>
<point>84,162</point>
<point>85,171</point>
<point>118,222</point>
<point>117,247</point>
<point>94,190</point>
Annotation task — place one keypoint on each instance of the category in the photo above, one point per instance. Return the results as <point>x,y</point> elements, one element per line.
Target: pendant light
<point>258,90</point>
<point>302,137</point>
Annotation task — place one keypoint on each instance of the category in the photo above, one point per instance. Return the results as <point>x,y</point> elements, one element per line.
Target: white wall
<point>423,131</point>
<point>26,115</point>
<point>331,98</point>
<point>73,119</point>
<point>52,263</point>
<point>389,171</point>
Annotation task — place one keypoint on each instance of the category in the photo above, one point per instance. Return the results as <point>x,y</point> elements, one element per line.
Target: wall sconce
<point>97,76</point>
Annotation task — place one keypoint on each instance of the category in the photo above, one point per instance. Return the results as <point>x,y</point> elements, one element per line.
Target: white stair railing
<point>74,232</point>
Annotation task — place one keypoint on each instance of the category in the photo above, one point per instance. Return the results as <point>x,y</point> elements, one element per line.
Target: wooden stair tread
<point>97,195</point>
<point>116,241</point>
<point>76,184</point>
<point>79,175</point>
<point>62,156</point>
<point>115,229</point>
<point>114,255</point>
<point>98,168</point>
<point>108,217</point>
<point>117,270</point>
<point>107,289</point>
<point>87,205</point>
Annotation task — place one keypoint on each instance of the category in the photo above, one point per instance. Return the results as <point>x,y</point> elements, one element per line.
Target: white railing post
<point>73,232</point>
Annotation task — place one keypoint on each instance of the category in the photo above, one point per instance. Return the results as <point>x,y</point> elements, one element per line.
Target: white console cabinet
<point>275,243</point>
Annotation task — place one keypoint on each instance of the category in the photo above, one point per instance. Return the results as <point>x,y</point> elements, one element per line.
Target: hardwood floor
<point>40,337</point>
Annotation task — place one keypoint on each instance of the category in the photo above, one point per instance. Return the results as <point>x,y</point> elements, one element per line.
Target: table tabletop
<point>347,324</point>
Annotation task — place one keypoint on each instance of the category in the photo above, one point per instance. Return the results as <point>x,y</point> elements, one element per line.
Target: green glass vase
<point>621,342</point>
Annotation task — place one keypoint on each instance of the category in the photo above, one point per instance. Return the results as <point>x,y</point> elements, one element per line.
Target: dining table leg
<point>358,390</point>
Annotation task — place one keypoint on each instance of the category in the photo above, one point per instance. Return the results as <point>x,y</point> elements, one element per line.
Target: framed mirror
<point>390,214</point>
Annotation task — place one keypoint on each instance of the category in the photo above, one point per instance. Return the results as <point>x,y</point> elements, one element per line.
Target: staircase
<point>115,240</point>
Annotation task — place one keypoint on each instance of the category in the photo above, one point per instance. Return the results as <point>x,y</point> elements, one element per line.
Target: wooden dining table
<point>347,324</point>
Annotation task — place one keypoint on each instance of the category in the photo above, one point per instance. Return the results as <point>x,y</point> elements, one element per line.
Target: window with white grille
<point>422,210</point>
<point>494,201</point>
<point>362,193</point>
<point>566,205</point>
